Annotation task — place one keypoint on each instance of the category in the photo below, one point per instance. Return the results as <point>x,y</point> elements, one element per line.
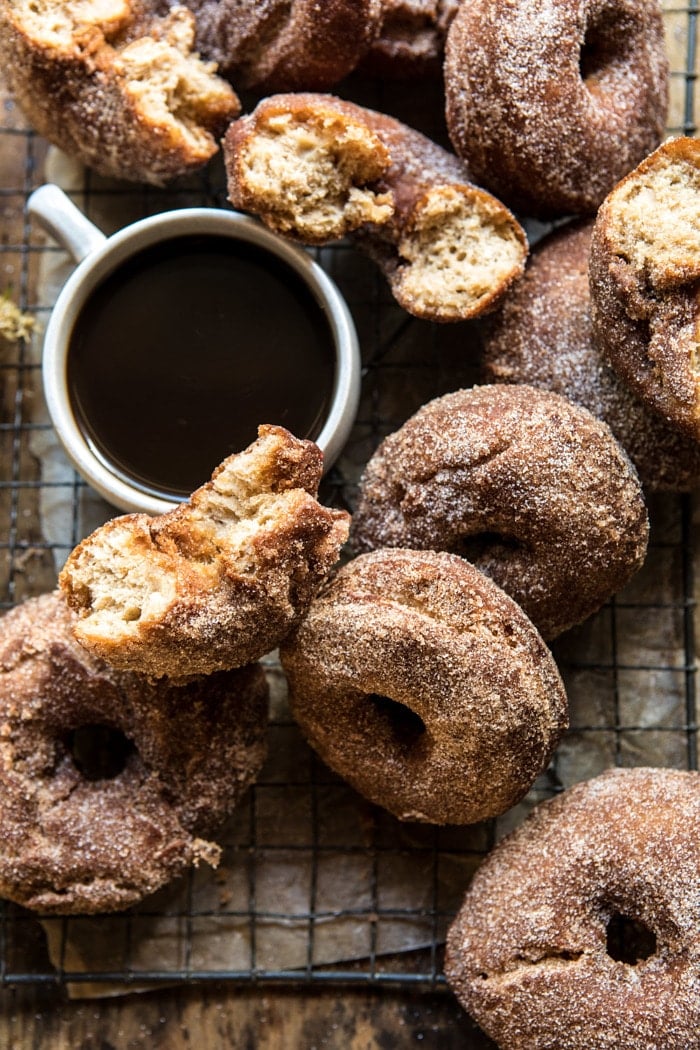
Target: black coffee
<point>185,349</point>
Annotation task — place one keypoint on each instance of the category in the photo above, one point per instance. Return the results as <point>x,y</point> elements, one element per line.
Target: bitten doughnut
<point>316,167</point>
<point>542,335</point>
<point>423,685</point>
<point>532,489</point>
<point>582,928</point>
<point>645,274</point>
<point>551,103</point>
<point>284,45</point>
<point>124,94</point>
<point>218,581</point>
<point>84,834</point>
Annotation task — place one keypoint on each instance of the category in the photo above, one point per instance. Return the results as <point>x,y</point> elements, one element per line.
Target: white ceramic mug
<point>98,256</point>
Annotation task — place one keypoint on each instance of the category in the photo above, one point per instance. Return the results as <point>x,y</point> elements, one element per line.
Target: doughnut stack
<point>490,522</point>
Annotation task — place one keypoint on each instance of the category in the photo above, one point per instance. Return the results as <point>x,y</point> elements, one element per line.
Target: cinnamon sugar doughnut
<point>645,282</point>
<point>218,581</point>
<point>124,94</point>
<point>82,836</point>
<point>582,928</point>
<point>542,335</point>
<point>316,167</point>
<point>423,685</point>
<point>532,489</point>
<point>551,103</point>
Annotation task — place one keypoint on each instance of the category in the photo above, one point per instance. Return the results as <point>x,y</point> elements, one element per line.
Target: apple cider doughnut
<point>423,685</point>
<point>286,45</point>
<point>532,489</point>
<point>645,282</point>
<point>108,782</point>
<point>582,928</point>
<point>124,93</point>
<point>218,581</point>
<point>316,168</point>
<point>542,335</point>
<point>551,102</point>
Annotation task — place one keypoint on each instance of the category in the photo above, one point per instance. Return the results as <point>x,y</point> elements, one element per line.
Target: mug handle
<point>57,214</point>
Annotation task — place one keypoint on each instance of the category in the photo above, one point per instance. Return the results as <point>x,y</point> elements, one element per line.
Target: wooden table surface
<point>209,1017</point>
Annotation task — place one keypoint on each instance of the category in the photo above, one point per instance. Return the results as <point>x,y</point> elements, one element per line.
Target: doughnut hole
<point>310,174</point>
<point>605,44</point>
<point>98,751</point>
<point>629,940</point>
<point>404,725</point>
<point>459,250</point>
<point>480,546</point>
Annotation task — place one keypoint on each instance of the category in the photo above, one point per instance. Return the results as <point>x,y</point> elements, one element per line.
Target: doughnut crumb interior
<point>459,245</point>
<point>308,172</point>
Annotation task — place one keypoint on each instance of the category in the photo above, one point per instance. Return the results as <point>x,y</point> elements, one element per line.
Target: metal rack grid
<point>606,663</point>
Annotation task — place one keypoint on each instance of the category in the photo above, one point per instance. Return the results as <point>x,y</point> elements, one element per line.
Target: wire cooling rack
<point>319,885</point>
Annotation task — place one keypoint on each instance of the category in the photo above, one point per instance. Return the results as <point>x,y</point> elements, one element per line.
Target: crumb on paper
<point>14,325</point>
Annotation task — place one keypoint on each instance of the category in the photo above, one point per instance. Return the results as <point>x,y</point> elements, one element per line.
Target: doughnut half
<point>216,582</point>
<point>121,90</point>
<point>316,168</point>
<point>645,282</point>
<point>532,489</point>
<point>542,335</point>
<point>78,836</point>
<point>423,685</point>
<point>582,928</point>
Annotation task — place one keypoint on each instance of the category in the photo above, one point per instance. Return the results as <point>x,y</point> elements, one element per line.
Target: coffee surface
<point>185,349</point>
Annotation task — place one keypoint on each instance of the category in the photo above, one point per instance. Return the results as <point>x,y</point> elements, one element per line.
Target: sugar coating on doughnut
<point>423,685</point>
<point>218,581</point>
<point>462,247</point>
<point>551,102</point>
<point>120,89</point>
<point>449,250</point>
<point>644,274</point>
<point>542,335</point>
<point>532,489</point>
<point>307,172</point>
<point>582,928</point>
<point>79,837</point>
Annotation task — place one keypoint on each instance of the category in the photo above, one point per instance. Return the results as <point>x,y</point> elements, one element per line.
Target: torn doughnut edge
<point>309,174</point>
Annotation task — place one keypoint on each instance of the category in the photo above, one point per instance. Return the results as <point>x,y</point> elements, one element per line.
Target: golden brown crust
<point>542,335</point>
<point>429,632</point>
<point>125,96</point>
<point>532,489</point>
<point>529,954</point>
<point>645,282</point>
<point>217,582</point>
<point>75,844</point>
<point>449,249</point>
<point>278,45</point>
<point>550,104</point>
